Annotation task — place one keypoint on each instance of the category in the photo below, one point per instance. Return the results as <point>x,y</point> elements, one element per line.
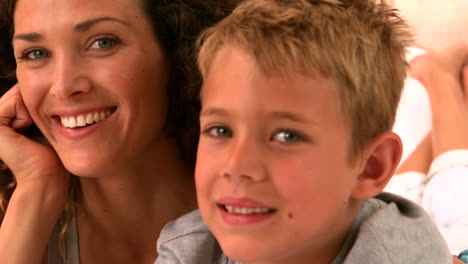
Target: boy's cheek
<point>205,173</point>
<point>203,191</point>
<point>209,160</point>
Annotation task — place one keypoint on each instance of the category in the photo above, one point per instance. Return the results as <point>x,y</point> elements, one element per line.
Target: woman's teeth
<point>245,211</point>
<point>84,120</point>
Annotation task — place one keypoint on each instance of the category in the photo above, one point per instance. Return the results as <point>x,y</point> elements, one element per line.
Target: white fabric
<point>444,191</point>
<point>409,185</point>
<point>444,196</point>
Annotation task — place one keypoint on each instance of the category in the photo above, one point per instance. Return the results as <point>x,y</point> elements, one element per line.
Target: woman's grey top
<point>71,244</point>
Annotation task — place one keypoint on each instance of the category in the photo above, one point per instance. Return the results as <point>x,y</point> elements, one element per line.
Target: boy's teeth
<point>84,120</point>
<point>244,211</point>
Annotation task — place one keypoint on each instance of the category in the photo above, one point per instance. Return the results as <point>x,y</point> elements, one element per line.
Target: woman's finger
<point>13,112</point>
<point>13,116</point>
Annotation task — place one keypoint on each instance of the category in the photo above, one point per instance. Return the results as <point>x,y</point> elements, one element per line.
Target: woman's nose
<point>69,78</point>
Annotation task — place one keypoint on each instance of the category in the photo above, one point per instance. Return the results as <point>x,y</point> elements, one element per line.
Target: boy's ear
<point>379,162</point>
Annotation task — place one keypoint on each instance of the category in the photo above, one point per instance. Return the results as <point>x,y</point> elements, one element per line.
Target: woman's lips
<point>85,118</point>
<point>77,126</point>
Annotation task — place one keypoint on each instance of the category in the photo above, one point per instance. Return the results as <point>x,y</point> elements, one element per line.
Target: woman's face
<point>93,77</point>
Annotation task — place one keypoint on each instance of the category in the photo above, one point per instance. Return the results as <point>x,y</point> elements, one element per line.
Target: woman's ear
<point>380,160</point>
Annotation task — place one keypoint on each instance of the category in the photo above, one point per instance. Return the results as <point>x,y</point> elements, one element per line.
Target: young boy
<point>298,101</point>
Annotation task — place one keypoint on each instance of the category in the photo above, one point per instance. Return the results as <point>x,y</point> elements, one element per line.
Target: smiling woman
<point>97,116</point>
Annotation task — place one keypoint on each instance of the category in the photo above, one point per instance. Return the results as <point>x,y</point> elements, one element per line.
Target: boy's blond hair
<point>359,43</point>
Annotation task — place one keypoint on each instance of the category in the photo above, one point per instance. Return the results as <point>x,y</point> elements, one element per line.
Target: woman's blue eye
<point>287,136</point>
<point>220,132</point>
<point>36,54</point>
<point>104,43</point>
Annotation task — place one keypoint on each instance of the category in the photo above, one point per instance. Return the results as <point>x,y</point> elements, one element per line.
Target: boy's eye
<point>103,43</point>
<point>36,54</point>
<point>219,131</point>
<point>287,136</point>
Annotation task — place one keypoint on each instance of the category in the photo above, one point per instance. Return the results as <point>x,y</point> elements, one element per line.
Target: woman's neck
<point>129,208</point>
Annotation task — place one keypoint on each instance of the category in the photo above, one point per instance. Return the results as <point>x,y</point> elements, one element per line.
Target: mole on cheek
<point>290,215</point>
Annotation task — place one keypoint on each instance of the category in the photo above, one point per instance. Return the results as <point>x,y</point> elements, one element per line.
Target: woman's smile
<point>85,119</point>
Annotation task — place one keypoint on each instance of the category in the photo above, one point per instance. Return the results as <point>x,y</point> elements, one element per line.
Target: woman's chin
<point>88,166</point>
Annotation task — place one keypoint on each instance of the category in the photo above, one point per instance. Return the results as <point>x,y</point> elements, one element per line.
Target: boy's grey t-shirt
<point>388,230</point>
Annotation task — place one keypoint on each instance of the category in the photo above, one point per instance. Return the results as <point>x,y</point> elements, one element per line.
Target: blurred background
<point>437,22</point>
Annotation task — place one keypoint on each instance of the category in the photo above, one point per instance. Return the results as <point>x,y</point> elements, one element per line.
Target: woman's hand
<point>31,162</point>
<point>42,186</point>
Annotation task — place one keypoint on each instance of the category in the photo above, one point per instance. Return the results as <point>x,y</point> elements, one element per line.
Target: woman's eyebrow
<point>81,27</point>
<point>86,25</point>
<point>30,37</point>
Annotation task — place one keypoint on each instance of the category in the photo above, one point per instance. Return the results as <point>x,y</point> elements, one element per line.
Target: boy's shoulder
<point>187,225</point>
<point>188,240</point>
<point>389,229</point>
<point>392,229</point>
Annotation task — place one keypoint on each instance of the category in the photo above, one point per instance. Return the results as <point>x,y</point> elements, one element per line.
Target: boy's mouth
<point>245,210</point>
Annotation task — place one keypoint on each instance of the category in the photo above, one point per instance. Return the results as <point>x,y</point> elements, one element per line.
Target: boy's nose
<point>244,162</point>
<point>69,78</point>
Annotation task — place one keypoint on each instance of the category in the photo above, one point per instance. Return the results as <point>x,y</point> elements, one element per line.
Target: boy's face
<point>273,178</point>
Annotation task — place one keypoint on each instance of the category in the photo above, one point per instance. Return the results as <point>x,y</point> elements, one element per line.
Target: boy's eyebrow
<point>290,116</point>
<point>81,27</point>
<point>213,111</point>
<point>210,111</point>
